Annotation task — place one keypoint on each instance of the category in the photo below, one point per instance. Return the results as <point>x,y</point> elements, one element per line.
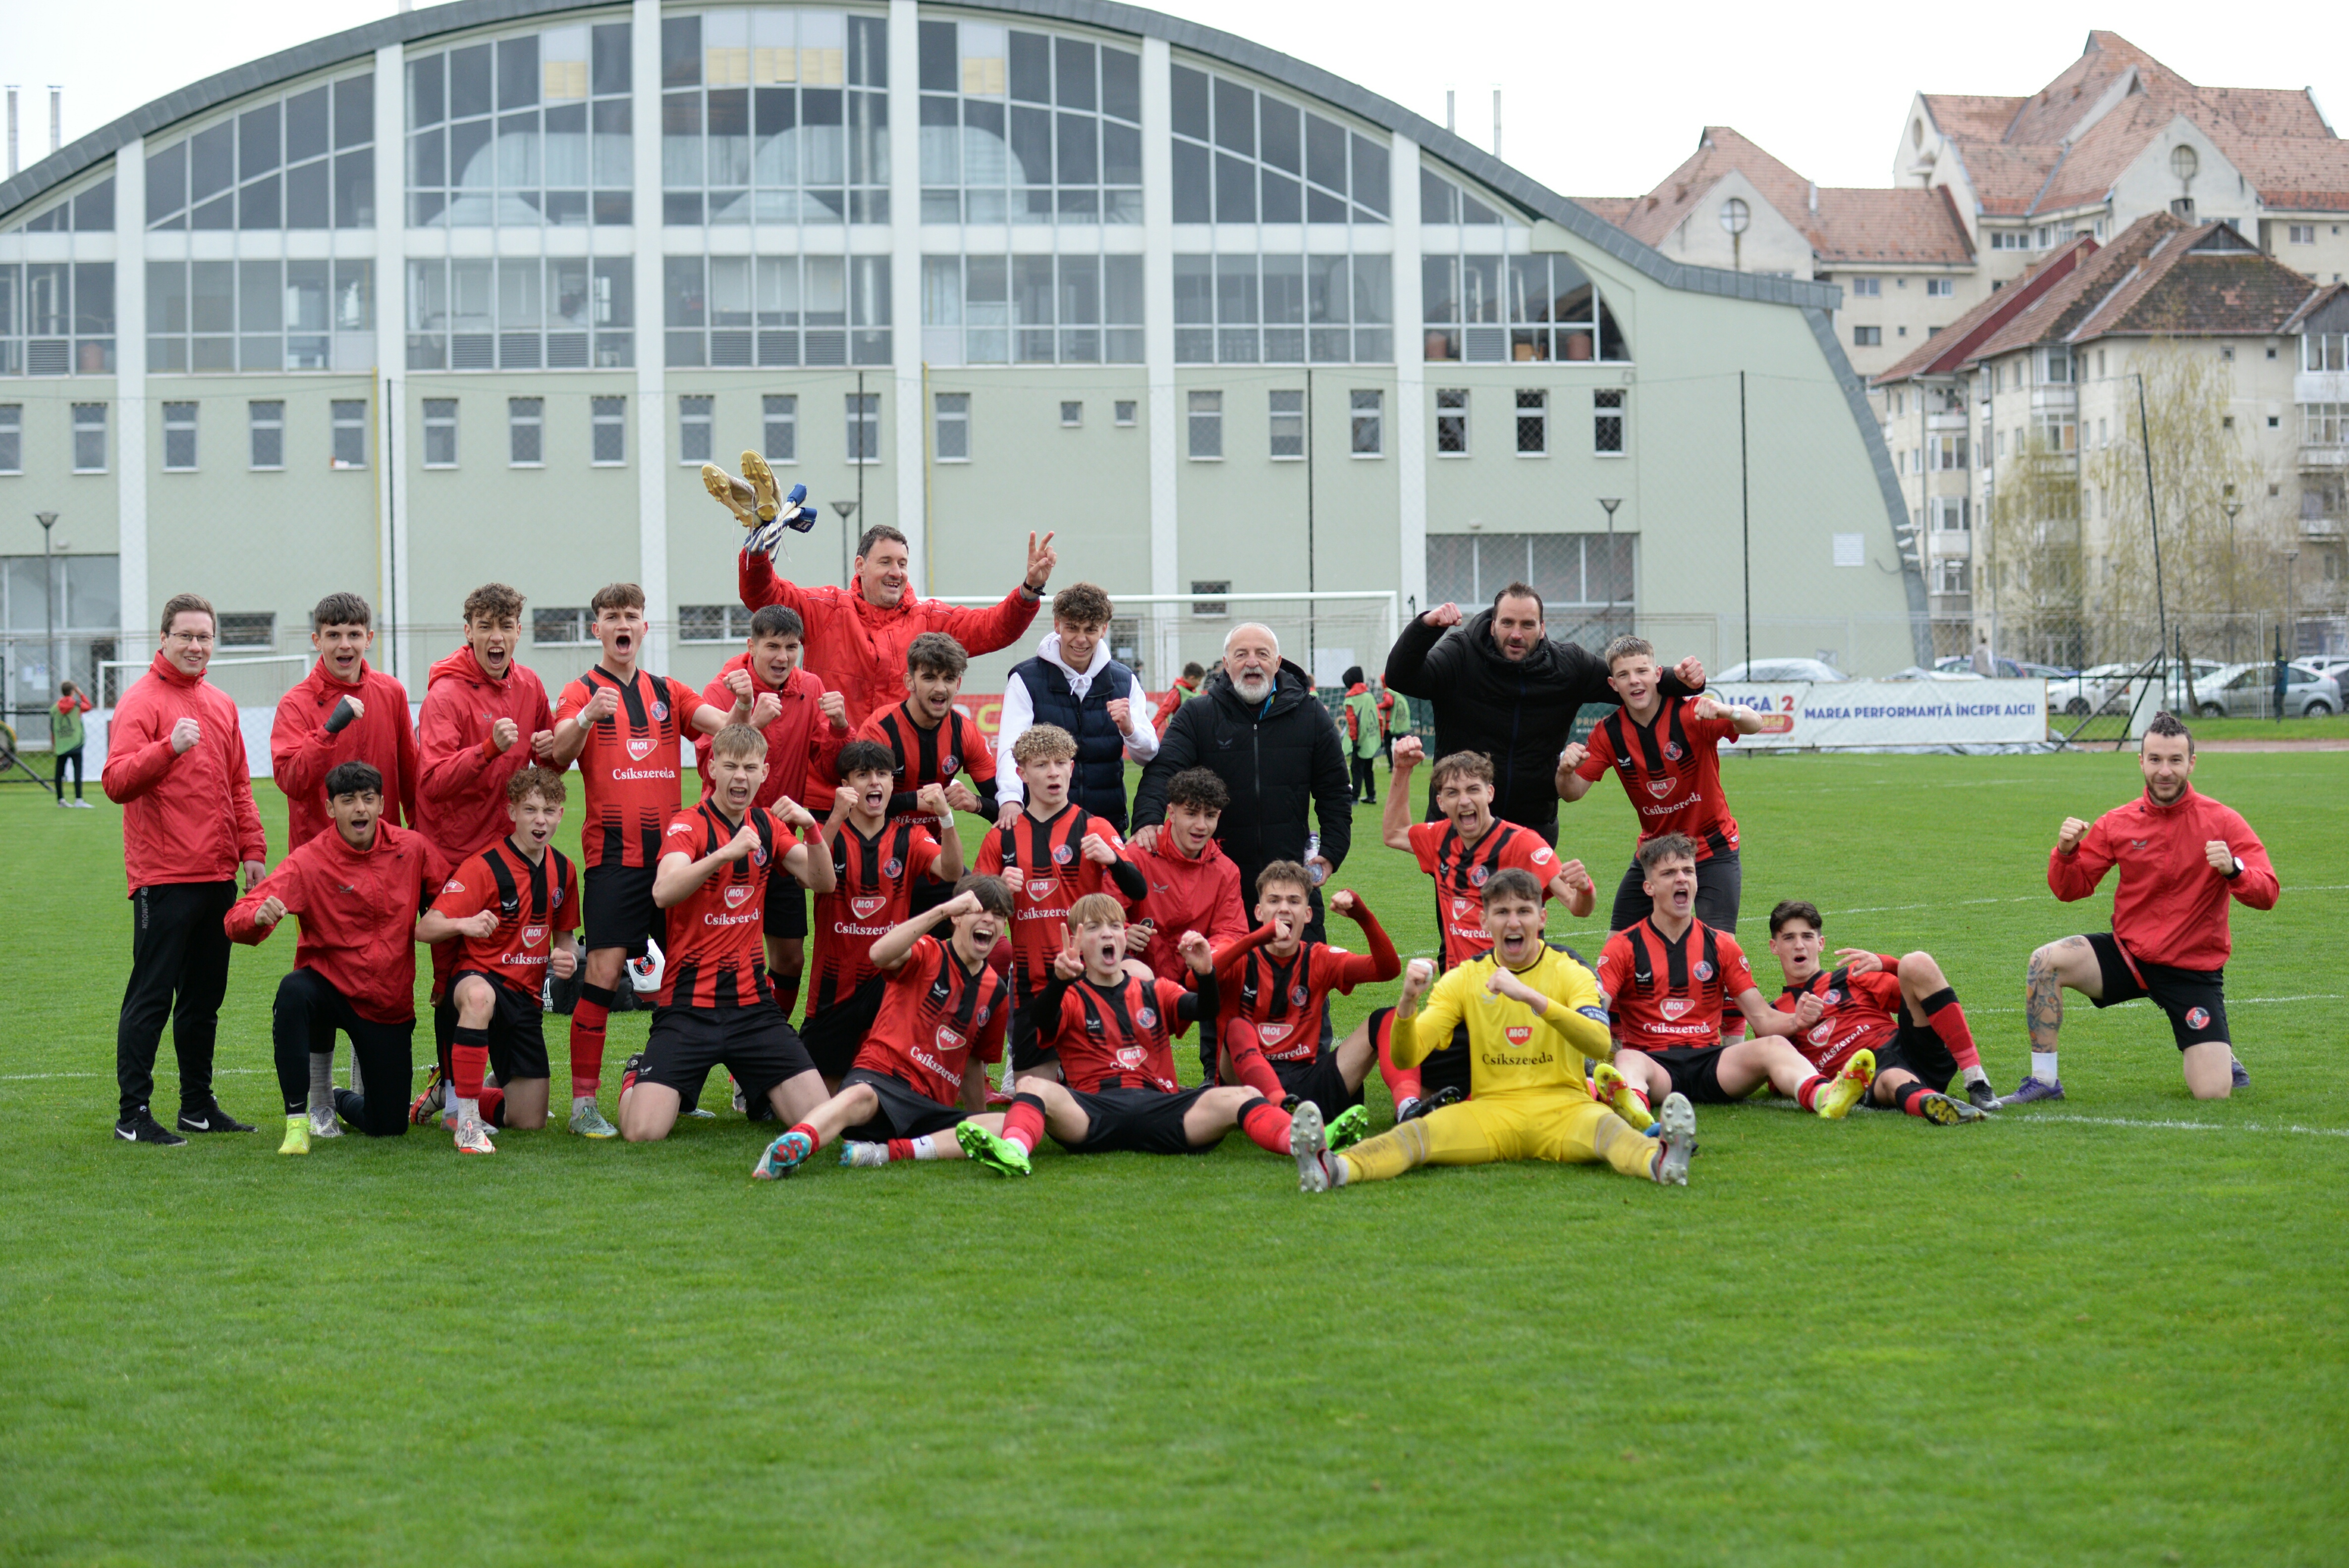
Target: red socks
<point>1946,1018</point>
<point>1023,1124</point>
<point>1809,1092</point>
<point>587,1015</point>
<point>1267,1126</point>
<point>493,1107</point>
<point>470,1058</point>
<point>1909,1094</point>
<point>787,994</point>
<point>901,1149</point>
<point>815,1139</point>
<point>1402,1083</point>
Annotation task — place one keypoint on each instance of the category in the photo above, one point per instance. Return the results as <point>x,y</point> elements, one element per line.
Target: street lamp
<point>49,521</point>
<point>1610,503</point>
<point>2232,507</point>
<point>847,509</point>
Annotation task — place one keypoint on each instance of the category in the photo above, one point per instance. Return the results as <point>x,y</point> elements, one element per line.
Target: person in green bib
<point>1362,729</point>
<point>67,736</point>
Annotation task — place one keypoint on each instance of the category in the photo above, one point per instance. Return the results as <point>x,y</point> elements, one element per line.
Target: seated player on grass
<point>715,1005</point>
<point>1109,1035</point>
<point>1276,988</point>
<point>1670,983</point>
<point>1902,1010</point>
<point>1194,885</point>
<point>363,890</point>
<point>879,863</point>
<point>530,891</point>
<point>923,1068</point>
<point>1532,1016</point>
<point>1463,847</point>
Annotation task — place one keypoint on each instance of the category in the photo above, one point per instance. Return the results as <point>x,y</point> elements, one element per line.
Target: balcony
<point>2321,387</point>
<point>2328,458</point>
<point>2320,528</point>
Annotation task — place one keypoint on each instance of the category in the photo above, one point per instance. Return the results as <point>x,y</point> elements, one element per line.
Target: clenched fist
<point>2068,836</point>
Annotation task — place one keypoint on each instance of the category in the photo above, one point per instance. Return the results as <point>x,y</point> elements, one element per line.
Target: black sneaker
<point>1980,1096</point>
<point>141,1127</point>
<point>1435,1101</point>
<point>210,1118</point>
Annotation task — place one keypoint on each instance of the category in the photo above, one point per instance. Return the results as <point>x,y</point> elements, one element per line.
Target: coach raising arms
<point>2182,857</point>
<point>1496,682</point>
<point>175,763</point>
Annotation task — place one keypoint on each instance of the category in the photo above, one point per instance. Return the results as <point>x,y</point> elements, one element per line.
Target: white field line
<point>2023,1117</point>
<point>2232,1002</point>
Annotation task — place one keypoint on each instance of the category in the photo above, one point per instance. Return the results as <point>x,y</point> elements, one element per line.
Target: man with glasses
<point>175,763</point>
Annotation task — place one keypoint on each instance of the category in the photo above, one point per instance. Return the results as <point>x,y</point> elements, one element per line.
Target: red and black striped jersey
<point>930,756</point>
<point>535,901</point>
<point>717,948</point>
<point>1119,1036</point>
<point>934,1014</point>
<point>1862,1012</point>
<point>1044,862</point>
<point>1664,993</point>
<point>873,890</point>
<point>1670,767</point>
<point>1281,1000</point>
<point>1461,870</point>
<point>629,764</point>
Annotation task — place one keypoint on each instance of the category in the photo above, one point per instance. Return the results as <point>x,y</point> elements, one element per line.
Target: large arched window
<point>1027,127</point>
<point>1488,299</point>
<point>774,116</point>
<point>522,131</point>
<point>304,159</point>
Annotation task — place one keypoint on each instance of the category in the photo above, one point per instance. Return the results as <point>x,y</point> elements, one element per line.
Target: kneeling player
<point>1110,1035</point>
<point>1669,983</point>
<point>715,1005</point>
<point>1276,986</point>
<point>1533,1014</point>
<point>1901,1009</point>
<point>923,1068</point>
<point>363,890</point>
<point>529,890</point>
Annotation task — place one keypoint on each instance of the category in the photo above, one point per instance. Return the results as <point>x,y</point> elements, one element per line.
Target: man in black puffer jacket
<point>1496,684</point>
<point>1257,725</point>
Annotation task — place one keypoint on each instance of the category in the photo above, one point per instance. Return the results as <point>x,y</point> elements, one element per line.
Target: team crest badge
<point>949,765</point>
<point>1476,875</point>
<point>758,854</point>
<point>1660,788</point>
<point>2198,1017</point>
<point>1299,996</point>
<point>867,908</point>
<point>948,1040</point>
<point>1063,854</point>
<point>1041,887</point>
<point>660,711</point>
<point>640,747</point>
<point>1519,1034</point>
<point>1147,1018</point>
<point>893,867</point>
<point>1128,1056</point>
<point>1673,1007</point>
<point>980,1021</point>
<point>1672,750</point>
<point>1703,970</point>
<point>1272,1034</point>
<point>532,935</point>
<point>557,900</point>
<point>1834,996</point>
<point>736,894</point>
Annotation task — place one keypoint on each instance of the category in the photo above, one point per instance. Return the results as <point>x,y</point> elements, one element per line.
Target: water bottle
<point>1313,855</point>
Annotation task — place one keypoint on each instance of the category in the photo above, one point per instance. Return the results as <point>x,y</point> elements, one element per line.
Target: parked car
<point>2248,691</point>
<point>1780,671</point>
<point>2008,669</point>
<point>2098,688</point>
<point>1919,673</point>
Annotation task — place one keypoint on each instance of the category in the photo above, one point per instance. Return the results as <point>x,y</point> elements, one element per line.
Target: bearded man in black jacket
<point>1496,683</point>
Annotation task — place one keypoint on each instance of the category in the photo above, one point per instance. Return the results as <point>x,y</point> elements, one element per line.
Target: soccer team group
<point>833,761</point>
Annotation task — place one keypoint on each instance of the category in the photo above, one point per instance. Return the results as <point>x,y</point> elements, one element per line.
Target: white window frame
<point>696,429</point>
<point>525,426</point>
<point>180,418</point>
<point>257,422</point>
<point>578,617</point>
<point>12,437</point>
<point>440,420</point>
<point>1122,413</point>
<point>1211,609</point>
<point>84,424</point>
<point>1867,288</point>
<point>950,416</point>
<point>1866,336</point>
<point>1366,408</point>
<point>779,416</point>
<point>1072,413</point>
<point>1452,409</point>
<point>1538,412</point>
<point>694,621</point>
<point>1203,415</point>
<point>1940,288</point>
<point>247,630</point>
<point>344,416</point>
<point>2300,233</point>
<point>1610,403</point>
<point>1285,424</point>
<point>607,414</point>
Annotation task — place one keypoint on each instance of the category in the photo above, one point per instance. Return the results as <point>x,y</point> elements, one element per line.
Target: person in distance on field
<point>2183,859</point>
<point>67,734</point>
<point>922,1070</point>
<point>1186,687</point>
<point>363,893</point>
<point>1460,848</point>
<point>1901,1011</point>
<point>532,893</point>
<point>1533,1014</point>
<point>1666,752</point>
<point>175,763</point>
<point>715,1007</point>
<point>1671,984</point>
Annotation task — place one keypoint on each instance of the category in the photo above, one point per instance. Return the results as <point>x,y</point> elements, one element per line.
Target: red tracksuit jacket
<point>186,817</point>
<point>301,752</point>
<point>358,912</point>
<point>461,788</point>
<point>801,743</point>
<point>859,648</point>
<point>1201,895</point>
<point>2169,907</point>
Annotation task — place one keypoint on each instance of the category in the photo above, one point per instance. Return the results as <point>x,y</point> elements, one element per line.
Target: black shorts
<point>2195,999</point>
<point>1719,881</point>
<point>1319,1082</point>
<point>786,912</point>
<point>756,1044</point>
<point>1918,1049</point>
<point>834,1035</point>
<point>1438,1070</point>
<point>1136,1120</point>
<point>517,1033</point>
<point>616,906</point>
<point>1020,1040</point>
<point>1695,1071</point>
<point>904,1111</point>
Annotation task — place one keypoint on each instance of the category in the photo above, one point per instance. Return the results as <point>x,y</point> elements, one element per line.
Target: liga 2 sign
<point>1893,713</point>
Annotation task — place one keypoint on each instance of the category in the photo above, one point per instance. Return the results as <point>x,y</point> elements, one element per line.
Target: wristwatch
<point>2231,875</point>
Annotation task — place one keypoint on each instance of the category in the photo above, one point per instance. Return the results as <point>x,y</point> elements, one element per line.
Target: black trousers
<point>73,757</point>
<point>309,1012</point>
<point>1719,882</point>
<point>178,970</point>
<point>1366,785</point>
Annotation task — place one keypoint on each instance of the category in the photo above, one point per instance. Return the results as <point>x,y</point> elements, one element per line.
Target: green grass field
<point>2107,1331</point>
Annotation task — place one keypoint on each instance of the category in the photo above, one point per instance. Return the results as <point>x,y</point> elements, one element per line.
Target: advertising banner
<point>1893,713</point>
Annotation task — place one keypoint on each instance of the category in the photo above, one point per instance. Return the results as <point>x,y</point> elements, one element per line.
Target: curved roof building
<point>471,292</point>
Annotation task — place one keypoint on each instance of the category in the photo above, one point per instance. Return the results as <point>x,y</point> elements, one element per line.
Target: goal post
<point>1155,634</point>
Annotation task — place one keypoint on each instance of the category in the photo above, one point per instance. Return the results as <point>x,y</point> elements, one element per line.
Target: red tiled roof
<point>2208,282</point>
<point>2050,317</point>
<point>1911,225</point>
<point>1953,345</point>
<point>1973,117</point>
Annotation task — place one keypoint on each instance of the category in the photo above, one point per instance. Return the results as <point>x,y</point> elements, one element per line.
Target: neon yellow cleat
<point>731,493</point>
<point>297,1134</point>
<point>1835,1101</point>
<point>1352,1126</point>
<point>991,1149</point>
<point>1611,1089</point>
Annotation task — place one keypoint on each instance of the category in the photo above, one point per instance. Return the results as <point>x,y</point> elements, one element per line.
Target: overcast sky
<point>1598,100</point>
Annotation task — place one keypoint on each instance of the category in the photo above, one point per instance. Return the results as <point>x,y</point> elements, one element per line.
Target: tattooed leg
<point>2070,961</point>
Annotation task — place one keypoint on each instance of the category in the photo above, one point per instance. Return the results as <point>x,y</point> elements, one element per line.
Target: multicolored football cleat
<point>731,493</point>
<point>1611,1089</point>
<point>427,1107</point>
<point>992,1150</point>
<point>1310,1143</point>
<point>2237,1074</point>
<point>587,1118</point>
<point>1834,1102</point>
<point>1676,1141</point>
<point>1980,1096</point>
<point>473,1136</point>
<point>762,486</point>
<point>783,1156</point>
<point>1352,1124</point>
<point>2034,1089</point>
<point>297,1135</point>
<point>1943,1110</point>
<point>861,1155</point>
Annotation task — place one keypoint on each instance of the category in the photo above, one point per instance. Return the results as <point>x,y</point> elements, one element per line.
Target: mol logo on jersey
<point>640,747</point>
<point>1042,887</point>
<point>1673,1007</point>
<point>1462,908</point>
<point>1660,788</point>
<point>867,908</point>
<point>1128,1056</point>
<point>1272,1034</point>
<point>1820,1031</point>
<point>532,935</point>
<point>736,894</point>
<point>948,1040</point>
<point>1519,1034</point>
